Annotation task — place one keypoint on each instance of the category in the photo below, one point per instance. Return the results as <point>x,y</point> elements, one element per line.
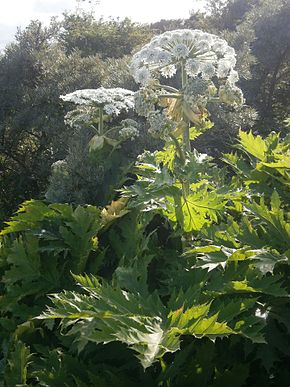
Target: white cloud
<point>15,13</point>
<point>148,10</point>
<point>52,6</point>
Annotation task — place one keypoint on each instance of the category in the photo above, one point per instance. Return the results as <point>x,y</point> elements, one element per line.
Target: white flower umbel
<point>112,101</point>
<point>201,54</point>
<point>203,67</point>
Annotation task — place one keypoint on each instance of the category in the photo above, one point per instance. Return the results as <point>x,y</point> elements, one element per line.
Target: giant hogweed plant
<point>203,66</point>
<point>96,162</point>
<point>199,257</point>
<point>95,107</point>
<point>211,290</point>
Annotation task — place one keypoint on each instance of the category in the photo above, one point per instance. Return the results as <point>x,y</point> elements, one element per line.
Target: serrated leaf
<point>253,145</point>
<point>195,210</point>
<point>111,314</point>
<point>18,361</point>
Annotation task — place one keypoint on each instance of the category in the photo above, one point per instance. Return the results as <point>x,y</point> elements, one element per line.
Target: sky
<point>18,13</point>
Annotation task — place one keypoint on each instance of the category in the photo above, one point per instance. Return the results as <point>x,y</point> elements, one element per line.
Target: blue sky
<point>15,13</point>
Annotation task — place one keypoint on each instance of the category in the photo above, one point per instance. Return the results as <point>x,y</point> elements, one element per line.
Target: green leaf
<point>30,213</point>
<point>112,314</point>
<point>210,257</point>
<point>198,209</point>
<point>253,145</point>
<point>166,156</point>
<point>18,361</point>
<point>24,267</point>
<point>275,219</point>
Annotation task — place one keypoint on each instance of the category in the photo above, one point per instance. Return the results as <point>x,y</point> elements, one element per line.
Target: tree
<point>113,38</point>
<point>259,31</point>
<point>44,63</point>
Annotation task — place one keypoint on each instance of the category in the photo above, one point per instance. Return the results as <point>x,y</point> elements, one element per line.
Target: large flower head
<point>202,54</point>
<point>113,101</point>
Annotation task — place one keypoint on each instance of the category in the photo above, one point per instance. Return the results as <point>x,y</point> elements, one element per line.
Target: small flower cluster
<point>202,54</point>
<point>60,167</point>
<point>113,101</point>
<point>230,95</point>
<point>145,100</point>
<point>199,92</point>
<point>160,125</point>
<point>129,129</point>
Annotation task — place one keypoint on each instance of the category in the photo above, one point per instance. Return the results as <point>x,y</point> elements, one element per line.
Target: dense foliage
<point>209,275</point>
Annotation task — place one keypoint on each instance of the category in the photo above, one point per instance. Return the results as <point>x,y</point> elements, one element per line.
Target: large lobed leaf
<point>145,324</point>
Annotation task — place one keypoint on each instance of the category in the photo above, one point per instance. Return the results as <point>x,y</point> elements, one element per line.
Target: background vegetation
<point>81,52</point>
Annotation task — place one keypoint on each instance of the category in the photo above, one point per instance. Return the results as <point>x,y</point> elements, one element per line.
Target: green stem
<point>112,130</point>
<point>174,95</point>
<point>178,148</point>
<point>167,88</point>
<point>183,76</point>
<point>186,139</point>
<point>101,122</point>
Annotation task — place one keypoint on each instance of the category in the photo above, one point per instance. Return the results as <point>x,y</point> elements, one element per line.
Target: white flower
<point>233,77</point>
<point>142,75</point>
<point>176,37</point>
<point>164,57</point>
<point>59,165</point>
<point>209,37</point>
<point>168,71</point>
<point>231,95</point>
<point>113,101</point>
<point>192,67</point>
<point>231,59</point>
<point>203,45</point>
<point>208,70</point>
<point>160,125</point>
<point>163,41</point>
<point>151,55</point>
<point>230,51</point>
<point>197,34</point>
<point>198,49</point>
<point>129,132</point>
<point>219,46</point>
<point>180,51</point>
<point>145,100</point>
<point>187,35</point>
<point>224,66</point>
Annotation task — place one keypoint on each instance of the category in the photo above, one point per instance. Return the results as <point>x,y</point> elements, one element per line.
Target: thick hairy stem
<point>178,148</point>
<point>101,122</point>
<point>186,139</point>
<point>174,95</point>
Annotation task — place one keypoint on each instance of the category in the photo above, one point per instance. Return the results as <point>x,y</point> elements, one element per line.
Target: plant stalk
<point>186,139</point>
<point>101,122</point>
<point>178,148</point>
